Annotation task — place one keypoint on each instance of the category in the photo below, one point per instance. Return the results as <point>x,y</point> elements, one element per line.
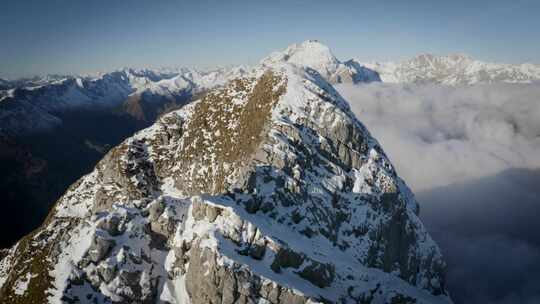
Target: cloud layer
<point>472,156</point>
<point>439,135</point>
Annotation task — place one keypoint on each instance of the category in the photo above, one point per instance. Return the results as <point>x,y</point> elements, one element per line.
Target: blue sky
<point>75,36</point>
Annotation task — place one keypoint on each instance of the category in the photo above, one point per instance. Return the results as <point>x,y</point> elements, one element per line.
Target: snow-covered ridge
<point>266,190</point>
<point>454,69</point>
<point>126,80</point>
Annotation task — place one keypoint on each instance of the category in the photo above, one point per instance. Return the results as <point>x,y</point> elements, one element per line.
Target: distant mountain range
<point>32,105</point>
<point>454,70</point>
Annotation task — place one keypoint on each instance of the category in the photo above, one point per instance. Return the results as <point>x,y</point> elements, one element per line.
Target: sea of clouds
<point>472,157</point>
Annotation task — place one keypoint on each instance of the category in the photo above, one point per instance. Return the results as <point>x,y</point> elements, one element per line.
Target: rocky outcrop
<point>267,190</point>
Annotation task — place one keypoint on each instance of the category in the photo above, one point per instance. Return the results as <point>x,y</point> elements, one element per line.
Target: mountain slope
<point>267,190</point>
<point>455,69</point>
<point>69,122</point>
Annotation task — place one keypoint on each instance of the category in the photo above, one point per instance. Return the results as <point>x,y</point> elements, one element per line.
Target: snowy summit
<point>315,55</point>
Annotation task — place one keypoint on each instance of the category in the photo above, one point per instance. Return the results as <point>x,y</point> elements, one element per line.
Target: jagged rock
<point>286,258</point>
<point>212,213</point>
<point>107,272</point>
<point>111,224</point>
<point>99,248</point>
<point>257,251</point>
<point>321,275</point>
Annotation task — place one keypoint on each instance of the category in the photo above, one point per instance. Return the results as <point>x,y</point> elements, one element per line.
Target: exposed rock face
<point>267,190</point>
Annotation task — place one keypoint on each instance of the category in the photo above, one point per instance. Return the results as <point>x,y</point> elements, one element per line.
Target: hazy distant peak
<point>453,69</point>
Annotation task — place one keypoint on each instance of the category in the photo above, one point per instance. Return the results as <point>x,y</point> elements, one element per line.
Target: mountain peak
<point>310,43</point>
<point>310,53</point>
<point>313,54</point>
<point>267,189</point>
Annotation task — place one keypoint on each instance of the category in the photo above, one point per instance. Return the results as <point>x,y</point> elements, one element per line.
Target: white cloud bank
<point>472,156</point>
<point>437,135</point>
